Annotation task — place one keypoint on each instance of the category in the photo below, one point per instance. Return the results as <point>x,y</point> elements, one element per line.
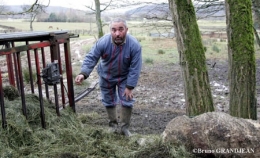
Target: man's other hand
<point>79,79</point>
<point>128,94</point>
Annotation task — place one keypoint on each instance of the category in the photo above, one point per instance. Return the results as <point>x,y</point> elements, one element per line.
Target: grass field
<point>155,49</point>
<point>43,26</point>
<point>81,135</point>
<point>134,26</point>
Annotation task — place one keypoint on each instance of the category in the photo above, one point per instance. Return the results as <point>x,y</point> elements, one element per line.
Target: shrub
<point>10,92</point>
<point>140,39</point>
<point>160,51</point>
<point>26,75</point>
<point>215,48</point>
<point>149,61</point>
<point>156,39</point>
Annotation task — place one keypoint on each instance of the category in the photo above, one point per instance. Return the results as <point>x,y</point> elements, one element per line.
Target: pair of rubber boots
<point>125,117</point>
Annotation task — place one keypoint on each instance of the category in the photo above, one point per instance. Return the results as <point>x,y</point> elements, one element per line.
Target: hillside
<point>50,9</point>
<point>203,11</point>
<point>216,11</point>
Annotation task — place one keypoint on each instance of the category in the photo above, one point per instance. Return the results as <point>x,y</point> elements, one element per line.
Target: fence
<point>76,31</point>
<point>20,51</point>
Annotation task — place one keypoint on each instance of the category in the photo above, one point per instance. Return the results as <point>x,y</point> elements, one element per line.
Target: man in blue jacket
<point>119,69</point>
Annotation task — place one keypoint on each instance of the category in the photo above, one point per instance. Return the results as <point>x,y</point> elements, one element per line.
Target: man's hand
<point>128,94</point>
<point>79,79</point>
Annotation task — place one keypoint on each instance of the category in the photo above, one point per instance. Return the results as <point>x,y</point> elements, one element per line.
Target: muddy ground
<point>159,96</point>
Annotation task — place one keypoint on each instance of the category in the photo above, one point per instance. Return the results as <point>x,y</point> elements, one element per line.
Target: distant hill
<point>143,11</point>
<point>149,11</point>
<point>162,11</point>
<point>50,9</point>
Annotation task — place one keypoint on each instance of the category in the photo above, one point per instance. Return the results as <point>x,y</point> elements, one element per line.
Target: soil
<point>159,95</point>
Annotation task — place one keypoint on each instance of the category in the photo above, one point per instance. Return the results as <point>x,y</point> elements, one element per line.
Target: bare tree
<point>37,9</point>
<point>153,12</point>
<point>97,11</point>
<point>256,16</point>
<point>256,11</point>
<point>35,6</point>
<point>209,9</point>
<point>109,5</point>
<point>3,8</point>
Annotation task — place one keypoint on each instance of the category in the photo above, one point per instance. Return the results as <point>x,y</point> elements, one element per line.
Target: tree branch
<point>34,7</point>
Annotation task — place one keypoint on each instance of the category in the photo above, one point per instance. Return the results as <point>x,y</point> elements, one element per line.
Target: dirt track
<point>159,96</point>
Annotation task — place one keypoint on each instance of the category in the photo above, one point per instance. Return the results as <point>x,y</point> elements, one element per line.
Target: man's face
<point>118,32</point>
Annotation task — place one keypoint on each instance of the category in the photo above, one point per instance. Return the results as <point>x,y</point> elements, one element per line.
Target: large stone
<point>215,134</point>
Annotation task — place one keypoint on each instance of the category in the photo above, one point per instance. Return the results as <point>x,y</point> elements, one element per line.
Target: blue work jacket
<point>117,62</point>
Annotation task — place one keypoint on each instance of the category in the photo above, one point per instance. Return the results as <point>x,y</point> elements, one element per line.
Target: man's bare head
<point>118,29</point>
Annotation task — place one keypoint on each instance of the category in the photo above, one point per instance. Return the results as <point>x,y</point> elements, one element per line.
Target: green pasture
<point>78,135</point>
<point>221,23</point>
<point>135,28</point>
<point>45,26</point>
<point>155,49</point>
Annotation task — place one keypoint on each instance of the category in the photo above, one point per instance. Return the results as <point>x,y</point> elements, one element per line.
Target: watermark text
<point>224,151</point>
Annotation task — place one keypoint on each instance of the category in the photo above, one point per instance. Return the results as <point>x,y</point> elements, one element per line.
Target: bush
<point>10,92</point>
<point>149,61</point>
<point>26,75</point>
<point>215,48</point>
<point>156,39</point>
<point>140,39</point>
<point>161,51</point>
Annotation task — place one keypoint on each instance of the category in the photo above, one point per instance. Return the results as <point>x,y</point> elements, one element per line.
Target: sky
<point>76,4</point>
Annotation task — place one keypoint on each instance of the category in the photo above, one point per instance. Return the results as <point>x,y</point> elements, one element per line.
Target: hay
<point>67,136</point>
<point>10,92</point>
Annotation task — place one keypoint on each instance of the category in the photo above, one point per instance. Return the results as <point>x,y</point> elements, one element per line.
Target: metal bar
<point>2,102</point>
<point>39,88</point>
<point>24,48</point>
<point>21,84</point>
<point>22,36</point>
<point>61,79</point>
<point>10,67</point>
<point>16,71</point>
<point>54,57</point>
<point>44,65</point>
<point>60,41</point>
<point>54,49</point>
<point>84,93</point>
<point>56,99</point>
<point>48,39</point>
<point>30,68</point>
<point>69,75</point>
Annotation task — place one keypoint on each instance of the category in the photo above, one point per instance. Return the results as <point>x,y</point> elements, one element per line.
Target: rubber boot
<point>111,111</point>
<point>126,113</point>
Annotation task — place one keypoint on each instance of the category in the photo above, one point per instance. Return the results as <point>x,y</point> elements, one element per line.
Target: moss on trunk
<point>242,66</point>
<point>192,58</point>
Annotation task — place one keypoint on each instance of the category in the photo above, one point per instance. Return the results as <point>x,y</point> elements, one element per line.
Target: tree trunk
<point>256,36</point>
<point>31,27</point>
<point>256,17</point>
<point>256,11</point>
<point>31,21</point>
<point>192,58</point>
<point>242,65</point>
<point>98,19</point>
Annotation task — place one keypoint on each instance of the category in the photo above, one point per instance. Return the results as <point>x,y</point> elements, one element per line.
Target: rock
<point>215,134</point>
